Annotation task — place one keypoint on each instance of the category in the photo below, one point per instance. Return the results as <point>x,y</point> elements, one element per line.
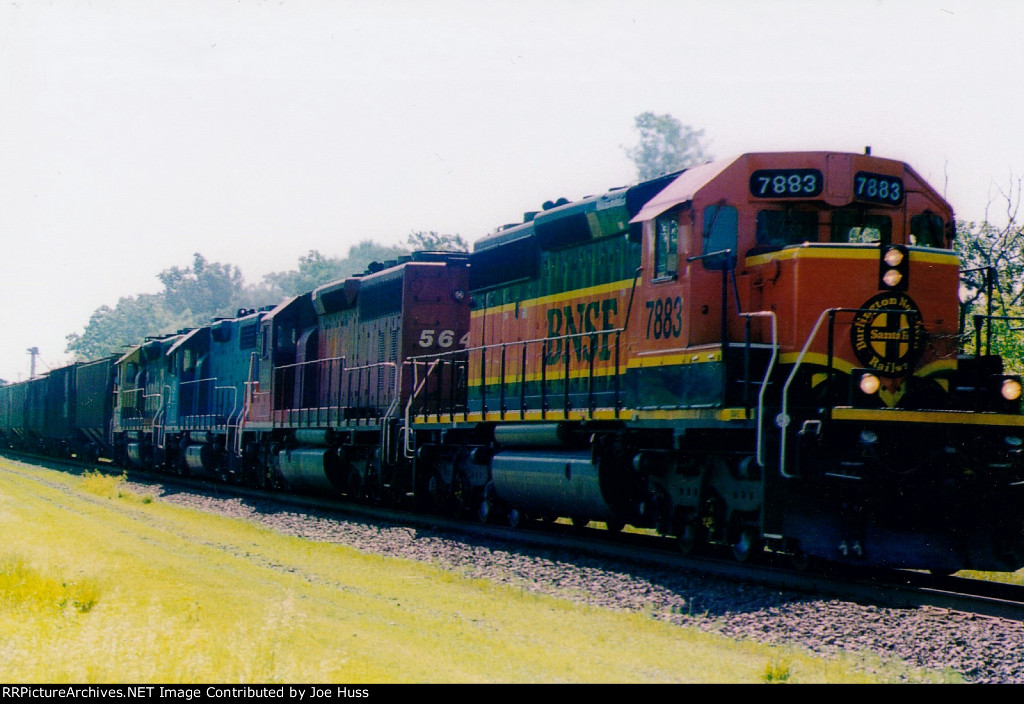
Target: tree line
<point>194,295</point>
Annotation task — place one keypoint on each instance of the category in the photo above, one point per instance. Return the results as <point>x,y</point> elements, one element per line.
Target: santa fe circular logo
<point>886,334</point>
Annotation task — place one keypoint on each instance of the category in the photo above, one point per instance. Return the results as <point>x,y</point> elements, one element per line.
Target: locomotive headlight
<point>893,257</point>
<point>869,384</point>
<point>893,267</point>
<point>892,278</point>
<point>1010,389</point>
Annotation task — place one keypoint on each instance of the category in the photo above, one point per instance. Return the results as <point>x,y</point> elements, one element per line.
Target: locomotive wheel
<point>801,561</point>
<point>690,537</point>
<point>615,526</point>
<point>483,509</point>
<point>373,492</point>
<point>514,518</point>
<point>747,545</point>
<point>354,485</point>
<point>579,522</point>
<point>459,498</point>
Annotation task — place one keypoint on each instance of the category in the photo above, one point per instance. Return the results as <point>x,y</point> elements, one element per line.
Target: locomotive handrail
<point>158,430</point>
<point>120,407</point>
<point>279,375</point>
<point>314,361</point>
<point>632,290</point>
<point>764,382</point>
<point>990,275</point>
<point>194,399</point>
<point>216,404</point>
<point>288,417</point>
<point>727,273</point>
<point>234,407</point>
<point>783,419</point>
<point>385,429</point>
<point>407,449</point>
<point>140,413</point>
<point>544,341</point>
<point>250,385</point>
<point>987,319</point>
<point>417,386</point>
<point>301,391</point>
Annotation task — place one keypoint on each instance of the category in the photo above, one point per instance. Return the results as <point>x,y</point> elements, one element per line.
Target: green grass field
<point>100,585</point>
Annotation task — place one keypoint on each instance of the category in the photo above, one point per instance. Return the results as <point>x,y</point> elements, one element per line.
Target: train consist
<point>762,353</point>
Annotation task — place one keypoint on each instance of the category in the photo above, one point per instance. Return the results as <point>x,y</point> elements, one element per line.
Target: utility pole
<point>34,351</point>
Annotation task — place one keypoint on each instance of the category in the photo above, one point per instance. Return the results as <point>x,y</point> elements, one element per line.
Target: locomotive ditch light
<point>893,268</point>
<point>1003,393</point>
<point>1011,388</point>
<point>864,385</point>
<point>869,384</point>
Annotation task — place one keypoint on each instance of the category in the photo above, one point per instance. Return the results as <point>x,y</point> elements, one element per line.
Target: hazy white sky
<point>136,132</point>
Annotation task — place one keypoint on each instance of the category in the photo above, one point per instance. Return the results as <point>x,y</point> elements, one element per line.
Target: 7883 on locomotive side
<point>757,352</point>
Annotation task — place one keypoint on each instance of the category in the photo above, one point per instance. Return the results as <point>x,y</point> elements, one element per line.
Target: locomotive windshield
<point>927,230</point>
<point>858,227</point>
<point>721,227</point>
<point>777,228</point>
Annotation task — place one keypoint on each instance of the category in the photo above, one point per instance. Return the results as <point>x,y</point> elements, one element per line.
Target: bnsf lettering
<point>581,318</point>
<point>664,318</point>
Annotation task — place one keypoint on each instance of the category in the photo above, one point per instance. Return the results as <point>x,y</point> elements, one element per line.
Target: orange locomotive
<point>756,352</point>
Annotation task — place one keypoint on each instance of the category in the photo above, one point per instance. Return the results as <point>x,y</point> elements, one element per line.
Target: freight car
<point>760,353</point>
<point>65,412</point>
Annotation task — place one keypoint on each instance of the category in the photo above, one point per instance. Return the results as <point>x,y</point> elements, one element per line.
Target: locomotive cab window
<point>927,230</point>
<point>666,245</point>
<point>778,228</point>
<point>857,227</point>
<point>720,230</point>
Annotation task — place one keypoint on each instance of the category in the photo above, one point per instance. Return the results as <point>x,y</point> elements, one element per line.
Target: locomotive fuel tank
<point>316,469</point>
<point>201,459</point>
<point>551,483</point>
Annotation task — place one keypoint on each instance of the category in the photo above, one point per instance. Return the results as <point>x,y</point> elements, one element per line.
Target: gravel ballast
<point>980,649</point>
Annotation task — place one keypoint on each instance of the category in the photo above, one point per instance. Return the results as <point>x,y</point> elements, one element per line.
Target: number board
<point>786,183</point>
<point>877,188</point>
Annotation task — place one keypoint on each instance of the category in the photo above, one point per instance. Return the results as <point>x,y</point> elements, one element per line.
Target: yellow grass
<point>98,584</point>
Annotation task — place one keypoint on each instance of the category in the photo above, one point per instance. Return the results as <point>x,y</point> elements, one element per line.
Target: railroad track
<point>885,588</point>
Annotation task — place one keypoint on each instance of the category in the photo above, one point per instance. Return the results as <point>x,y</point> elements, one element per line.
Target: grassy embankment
<point>98,584</point>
